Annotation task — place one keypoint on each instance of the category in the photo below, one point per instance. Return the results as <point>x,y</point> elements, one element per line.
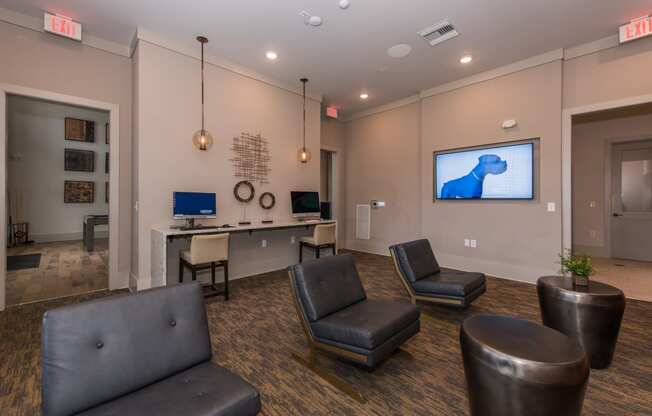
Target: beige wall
<point>169,112</point>
<point>383,163</point>
<point>519,240</point>
<point>611,74</point>
<point>591,149</point>
<point>38,60</point>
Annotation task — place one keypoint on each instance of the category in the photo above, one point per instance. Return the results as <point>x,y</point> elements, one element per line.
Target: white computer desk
<point>167,241</point>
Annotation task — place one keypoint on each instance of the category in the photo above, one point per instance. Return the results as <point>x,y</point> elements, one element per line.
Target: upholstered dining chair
<point>207,252</point>
<point>323,237</point>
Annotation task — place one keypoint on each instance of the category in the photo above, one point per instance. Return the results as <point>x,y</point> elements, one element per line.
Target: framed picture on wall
<point>106,192</point>
<point>106,163</point>
<point>79,192</point>
<point>107,134</point>
<point>80,130</point>
<point>79,160</point>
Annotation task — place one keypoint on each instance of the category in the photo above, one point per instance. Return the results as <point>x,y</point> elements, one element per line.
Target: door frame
<point>567,152</point>
<point>115,280</point>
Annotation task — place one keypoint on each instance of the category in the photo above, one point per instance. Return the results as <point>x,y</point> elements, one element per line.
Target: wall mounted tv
<point>493,172</point>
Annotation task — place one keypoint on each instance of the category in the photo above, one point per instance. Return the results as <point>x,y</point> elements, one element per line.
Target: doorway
<point>31,248</point>
<point>611,196</point>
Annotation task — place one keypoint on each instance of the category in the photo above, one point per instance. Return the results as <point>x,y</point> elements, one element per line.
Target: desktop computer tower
<point>326,211</point>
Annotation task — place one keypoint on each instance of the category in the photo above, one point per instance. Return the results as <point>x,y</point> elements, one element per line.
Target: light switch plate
<point>467,242</point>
<point>263,243</point>
<point>552,207</point>
<point>474,243</point>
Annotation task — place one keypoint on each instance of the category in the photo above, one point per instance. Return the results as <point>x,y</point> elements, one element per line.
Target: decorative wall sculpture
<point>251,159</point>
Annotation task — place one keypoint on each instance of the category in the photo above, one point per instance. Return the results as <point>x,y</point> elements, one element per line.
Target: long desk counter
<point>246,255</point>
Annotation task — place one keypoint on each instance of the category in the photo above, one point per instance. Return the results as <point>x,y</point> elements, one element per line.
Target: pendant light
<point>303,154</point>
<point>202,139</point>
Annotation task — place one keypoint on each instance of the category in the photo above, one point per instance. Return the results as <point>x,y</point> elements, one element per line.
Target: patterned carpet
<point>254,333</point>
<point>66,269</point>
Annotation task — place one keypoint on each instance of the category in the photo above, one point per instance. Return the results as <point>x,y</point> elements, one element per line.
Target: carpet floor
<point>254,333</point>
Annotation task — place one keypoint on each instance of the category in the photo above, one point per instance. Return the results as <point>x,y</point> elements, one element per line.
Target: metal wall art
<point>244,192</point>
<point>251,159</point>
<point>267,200</point>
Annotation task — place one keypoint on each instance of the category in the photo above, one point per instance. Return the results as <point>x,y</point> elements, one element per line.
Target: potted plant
<point>579,266</point>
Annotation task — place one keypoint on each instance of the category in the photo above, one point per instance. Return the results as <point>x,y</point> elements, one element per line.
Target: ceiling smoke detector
<point>439,32</point>
<point>311,20</point>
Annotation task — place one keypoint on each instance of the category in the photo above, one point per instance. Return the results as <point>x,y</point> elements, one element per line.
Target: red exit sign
<point>636,29</point>
<point>62,26</point>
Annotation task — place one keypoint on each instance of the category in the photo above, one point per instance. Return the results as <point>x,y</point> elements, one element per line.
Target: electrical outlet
<point>593,234</point>
<point>263,243</point>
<point>474,243</point>
<point>467,242</point>
<point>293,240</point>
<point>593,204</point>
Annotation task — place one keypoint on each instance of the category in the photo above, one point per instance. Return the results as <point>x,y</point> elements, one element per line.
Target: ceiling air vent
<point>439,32</point>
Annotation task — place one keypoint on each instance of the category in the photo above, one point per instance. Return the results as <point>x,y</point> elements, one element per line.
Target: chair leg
<point>317,250</point>
<point>334,252</point>
<point>180,271</point>
<point>226,280</point>
<point>300,252</point>
<point>213,273</point>
<point>194,273</point>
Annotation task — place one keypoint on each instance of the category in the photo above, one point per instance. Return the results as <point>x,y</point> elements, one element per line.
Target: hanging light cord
<point>304,113</point>
<point>202,90</point>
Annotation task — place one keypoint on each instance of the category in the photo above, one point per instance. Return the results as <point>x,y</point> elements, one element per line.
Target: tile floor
<point>634,278</point>
<point>66,269</point>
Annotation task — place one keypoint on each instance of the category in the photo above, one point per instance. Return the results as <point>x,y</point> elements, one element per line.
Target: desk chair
<point>323,237</point>
<point>207,252</point>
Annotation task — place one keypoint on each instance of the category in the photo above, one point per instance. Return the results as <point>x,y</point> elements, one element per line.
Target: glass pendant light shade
<point>202,139</point>
<point>304,155</point>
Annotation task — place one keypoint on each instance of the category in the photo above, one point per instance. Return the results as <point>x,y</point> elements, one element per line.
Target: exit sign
<point>62,26</point>
<point>636,29</point>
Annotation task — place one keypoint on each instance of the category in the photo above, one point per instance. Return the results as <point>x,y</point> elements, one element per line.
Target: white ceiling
<point>343,57</point>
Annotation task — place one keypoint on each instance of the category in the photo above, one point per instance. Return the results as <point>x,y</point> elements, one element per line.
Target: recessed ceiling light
<point>364,96</point>
<point>271,55</point>
<point>466,59</point>
<point>344,4</point>
<point>399,51</point>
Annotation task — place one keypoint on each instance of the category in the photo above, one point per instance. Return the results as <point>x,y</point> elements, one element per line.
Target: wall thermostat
<point>377,204</point>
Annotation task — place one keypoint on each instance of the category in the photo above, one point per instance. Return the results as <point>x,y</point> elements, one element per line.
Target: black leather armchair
<point>338,318</point>
<point>424,280</point>
<point>142,354</point>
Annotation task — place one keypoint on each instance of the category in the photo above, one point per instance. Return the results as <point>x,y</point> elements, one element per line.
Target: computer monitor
<point>305,204</point>
<point>193,205</point>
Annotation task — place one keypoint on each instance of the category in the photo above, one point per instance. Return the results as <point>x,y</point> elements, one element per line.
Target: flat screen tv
<point>494,172</point>
<point>305,204</point>
<point>191,205</point>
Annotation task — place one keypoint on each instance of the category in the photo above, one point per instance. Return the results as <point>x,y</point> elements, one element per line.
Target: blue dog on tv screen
<point>470,185</point>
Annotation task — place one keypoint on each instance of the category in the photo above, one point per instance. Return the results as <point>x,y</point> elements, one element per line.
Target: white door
<point>631,201</point>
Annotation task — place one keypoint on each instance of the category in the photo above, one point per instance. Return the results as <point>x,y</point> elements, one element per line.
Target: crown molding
<point>36,24</point>
<point>150,37</point>
<point>382,108</point>
<point>591,47</point>
<point>555,55</point>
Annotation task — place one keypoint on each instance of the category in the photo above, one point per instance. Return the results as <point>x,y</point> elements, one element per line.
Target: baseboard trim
<point>56,237</point>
